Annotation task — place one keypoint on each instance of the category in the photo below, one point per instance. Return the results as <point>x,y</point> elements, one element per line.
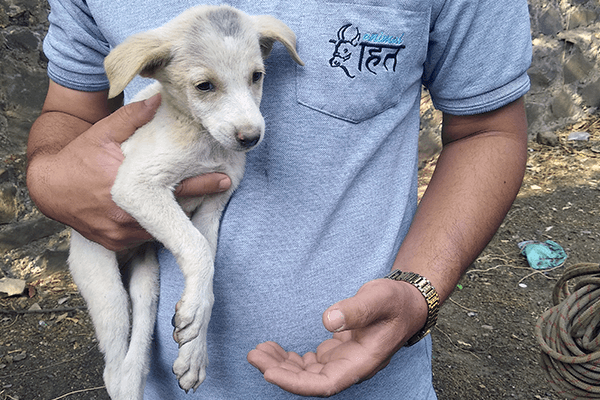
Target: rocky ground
<point>484,346</point>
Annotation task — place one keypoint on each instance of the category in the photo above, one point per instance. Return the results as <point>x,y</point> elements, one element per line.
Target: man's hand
<point>72,185</point>
<point>369,329</point>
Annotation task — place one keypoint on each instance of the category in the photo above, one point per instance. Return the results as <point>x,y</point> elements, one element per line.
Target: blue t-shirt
<point>330,193</point>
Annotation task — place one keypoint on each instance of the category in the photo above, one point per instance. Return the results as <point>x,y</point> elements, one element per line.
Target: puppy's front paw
<point>190,366</point>
<point>190,318</point>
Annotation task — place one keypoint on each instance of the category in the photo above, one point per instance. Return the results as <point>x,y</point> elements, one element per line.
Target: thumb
<point>359,311</point>
<point>126,120</point>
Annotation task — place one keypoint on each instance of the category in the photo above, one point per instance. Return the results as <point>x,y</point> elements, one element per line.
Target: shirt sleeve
<point>478,55</point>
<point>75,47</point>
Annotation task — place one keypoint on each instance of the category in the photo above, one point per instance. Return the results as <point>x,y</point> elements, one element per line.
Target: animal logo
<point>345,47</point>
<point>354,52</point>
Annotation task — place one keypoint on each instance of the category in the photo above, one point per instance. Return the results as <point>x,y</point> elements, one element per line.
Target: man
<point>328,203</point>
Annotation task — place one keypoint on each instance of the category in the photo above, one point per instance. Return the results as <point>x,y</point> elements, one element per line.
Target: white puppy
<point>208,63</point>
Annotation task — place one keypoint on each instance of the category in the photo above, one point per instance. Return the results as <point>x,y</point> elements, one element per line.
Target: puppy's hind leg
<point>96,272</point>
<point>143,290</point>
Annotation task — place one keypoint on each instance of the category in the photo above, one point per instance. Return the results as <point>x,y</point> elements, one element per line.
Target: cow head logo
<point>345,46</point>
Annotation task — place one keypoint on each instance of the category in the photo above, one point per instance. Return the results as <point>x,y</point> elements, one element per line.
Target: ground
<point>484,344</point>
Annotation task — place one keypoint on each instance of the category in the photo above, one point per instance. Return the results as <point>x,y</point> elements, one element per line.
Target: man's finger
<point>266,355</point>
<point>203,184</point>
<point>126,120</point>
<point>306,383</point>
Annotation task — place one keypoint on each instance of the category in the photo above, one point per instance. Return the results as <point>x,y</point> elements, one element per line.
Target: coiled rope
<point>569,334</point>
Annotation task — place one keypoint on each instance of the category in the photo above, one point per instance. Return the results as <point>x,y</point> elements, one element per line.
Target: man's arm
<point>73,157</point>
<point>66,113</point>
<point>476,180</point>
<point>477,177</point>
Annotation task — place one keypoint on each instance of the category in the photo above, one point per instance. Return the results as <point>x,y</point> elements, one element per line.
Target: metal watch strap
<point>430,294</point>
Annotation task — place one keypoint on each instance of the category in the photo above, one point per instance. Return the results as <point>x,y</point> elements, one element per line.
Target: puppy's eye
<point>257,76</point>
<point>205,87</point>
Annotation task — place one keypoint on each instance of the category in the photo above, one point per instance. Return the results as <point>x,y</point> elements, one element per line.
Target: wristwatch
<point>430,294</point>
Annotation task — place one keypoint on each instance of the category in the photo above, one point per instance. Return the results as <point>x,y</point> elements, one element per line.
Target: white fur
<point>194,132</point>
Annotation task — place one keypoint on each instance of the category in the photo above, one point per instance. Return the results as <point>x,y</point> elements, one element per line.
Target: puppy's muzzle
<point>248,138</point>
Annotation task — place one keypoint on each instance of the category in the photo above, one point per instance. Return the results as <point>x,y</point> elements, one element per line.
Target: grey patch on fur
<point>225,21</point>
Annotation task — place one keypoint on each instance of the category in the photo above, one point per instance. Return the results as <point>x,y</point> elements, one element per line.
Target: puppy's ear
<point>271,29</point>
<point>144,54</point>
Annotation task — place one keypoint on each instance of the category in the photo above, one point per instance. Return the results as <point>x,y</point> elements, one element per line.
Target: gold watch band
<point>430,294</point>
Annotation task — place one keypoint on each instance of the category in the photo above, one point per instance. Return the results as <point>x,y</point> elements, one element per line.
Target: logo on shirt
<point>355,53</point>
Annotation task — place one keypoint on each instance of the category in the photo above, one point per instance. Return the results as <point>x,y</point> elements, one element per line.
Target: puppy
<point>208,64</point>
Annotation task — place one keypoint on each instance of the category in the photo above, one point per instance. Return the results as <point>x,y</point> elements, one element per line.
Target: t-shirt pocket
<point>359,58</point>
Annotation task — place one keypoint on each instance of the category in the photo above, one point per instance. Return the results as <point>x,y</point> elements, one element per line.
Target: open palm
<point>370,327</point>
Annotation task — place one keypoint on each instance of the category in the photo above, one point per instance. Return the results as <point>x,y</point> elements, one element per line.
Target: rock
<point>534,111</point>
<point>428,146</point>
<point>541,76</point>
<point>28,231</point>
<point>577,67</point>
<point>550,22</point>
<point>591,94</point>
<point>23,39</point>
<point>20,357</point>
<point>547,138</point>
<point>582,38</point>
<point>23,13</point>
<point>25,92</point>
<point>53,260</point>
<point>8,203</point>
<point>561,105</point>
<point>580,17</point>
<point>3,18</point>
<point>12,287</point>
<point>5,175</point>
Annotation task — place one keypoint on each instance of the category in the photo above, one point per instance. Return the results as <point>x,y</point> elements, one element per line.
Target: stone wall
<point>565,88</point>
<point>23,80</point>
<point>564,74</point>
<point>565,78</point>
<point>29,242</point>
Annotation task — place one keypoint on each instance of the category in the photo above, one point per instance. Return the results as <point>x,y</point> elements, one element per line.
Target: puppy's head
<point>209,61</point>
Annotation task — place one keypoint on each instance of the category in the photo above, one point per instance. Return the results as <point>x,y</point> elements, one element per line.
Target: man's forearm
<point>65,115</point>
<point>52,131</point>
<point>475,182</point>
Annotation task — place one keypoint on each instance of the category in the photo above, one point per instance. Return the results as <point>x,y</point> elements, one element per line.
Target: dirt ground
<point>484,345</point>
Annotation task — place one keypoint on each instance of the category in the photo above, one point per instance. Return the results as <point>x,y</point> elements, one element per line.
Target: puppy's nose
<point>247,139</point>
